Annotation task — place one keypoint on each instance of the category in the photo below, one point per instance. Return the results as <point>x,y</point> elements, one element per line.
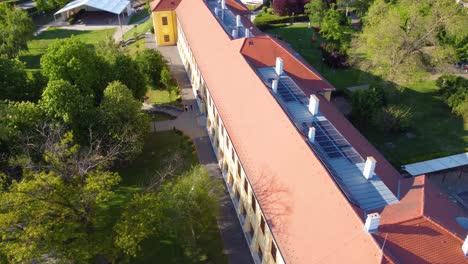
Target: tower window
<point>164,21</point>
<point>166,38</point>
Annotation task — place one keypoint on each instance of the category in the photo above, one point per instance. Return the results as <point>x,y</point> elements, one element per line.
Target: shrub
<point>365,103</point>
<point>151,63</point>
<point>454,92</point>
<point>393,118</point>
<point>265,21</point>
<point>166,78</point>
<point>264,9</point>
<point>333,56</point>
<point>286,7</point>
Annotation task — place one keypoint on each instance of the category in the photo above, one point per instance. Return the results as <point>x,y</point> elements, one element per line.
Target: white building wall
<point>233,173</point>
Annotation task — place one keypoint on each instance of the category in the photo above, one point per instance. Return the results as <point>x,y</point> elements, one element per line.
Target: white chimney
<point>279,66</point>
<point>274,86</point>
<point>313,104</point>
<point>238,21</point>
<point>223,4</point>
<point>234,33</point>
<point>247,33</point>
<point>372,223</point>
<point>465,247</point>
<point>369,167</point>
<point>311,134</point>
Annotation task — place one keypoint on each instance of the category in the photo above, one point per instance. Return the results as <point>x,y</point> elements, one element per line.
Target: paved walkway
<point>192,123</point>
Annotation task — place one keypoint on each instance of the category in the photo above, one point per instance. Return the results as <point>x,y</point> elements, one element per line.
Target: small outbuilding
<point>117,7</point>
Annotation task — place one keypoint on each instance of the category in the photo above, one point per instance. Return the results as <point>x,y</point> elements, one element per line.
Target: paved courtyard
<point>192,123</point>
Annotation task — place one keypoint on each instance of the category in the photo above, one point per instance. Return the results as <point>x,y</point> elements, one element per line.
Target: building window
<point>273,251</point>
<point>260,253</point>
<point>262,225</point>
<point>246,186</point>
<point>251,231</point>
<point>164,21</point>
<point>236,194</point>
<point>254,204</point>
<point>166,38</point>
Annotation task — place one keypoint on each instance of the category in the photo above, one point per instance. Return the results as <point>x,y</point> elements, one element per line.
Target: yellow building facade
<point>165,27</point>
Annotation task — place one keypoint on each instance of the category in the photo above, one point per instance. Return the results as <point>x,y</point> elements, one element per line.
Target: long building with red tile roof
<point>270,122</point>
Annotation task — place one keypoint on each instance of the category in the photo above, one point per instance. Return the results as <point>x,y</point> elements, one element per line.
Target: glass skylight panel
<point>227,19</point>
<point>343,162</point>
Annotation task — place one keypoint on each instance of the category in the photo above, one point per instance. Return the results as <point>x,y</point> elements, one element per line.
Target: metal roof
<point>112,6</point>
<point>340,158</point>
<point>439,164</point>
<point>226,18</point>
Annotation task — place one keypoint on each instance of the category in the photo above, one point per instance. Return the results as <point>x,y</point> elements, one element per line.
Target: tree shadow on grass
<point>56,33</point>
<point>299,37</point>
<point>435,131</point>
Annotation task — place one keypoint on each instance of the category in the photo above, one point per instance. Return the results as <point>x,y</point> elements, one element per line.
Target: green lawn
<point>159,96</point>
<point>139,29</point>
<point>38,46</point>
<point>299,36</point>
<point>133,48</point>
<point>158,147</point>
<point>139,16</point>
<point>436,132</point>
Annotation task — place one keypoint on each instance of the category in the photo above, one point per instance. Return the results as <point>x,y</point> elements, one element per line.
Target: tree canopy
<point>181,210</point>
<point>316,10</point>
<point>402,38</point>
<point>16,28</point>
<point>65,101</point>
<point>73,61</point>
<point>121,118</point>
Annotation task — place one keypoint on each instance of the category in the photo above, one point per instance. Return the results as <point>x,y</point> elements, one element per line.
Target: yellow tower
<point>165,27</point>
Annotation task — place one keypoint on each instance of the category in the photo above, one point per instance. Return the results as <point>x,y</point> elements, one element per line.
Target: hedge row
<point>265,20</point>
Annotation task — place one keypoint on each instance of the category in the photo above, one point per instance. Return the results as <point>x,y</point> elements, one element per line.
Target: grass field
<point>135,47</point>
<point>158,147</point>
<point>139,16</point>
<point>435,132</point>
<point>38,46</point>
<point>299,36</point>
<point>159,96</point>
<point>139,29</point>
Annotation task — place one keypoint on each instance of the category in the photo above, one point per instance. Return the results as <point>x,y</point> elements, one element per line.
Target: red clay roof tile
<point>310,225</point>
<point>419,241</point>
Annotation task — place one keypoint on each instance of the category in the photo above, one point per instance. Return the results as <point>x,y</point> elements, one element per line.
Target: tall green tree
<point>127,71</point>
<point>316,10</point>
<point>121,119</point>
<point>16,28</point>
<point>64,101</point>
<point>16,84</point>
<point>400,38</point>
<point>13,80</point>
<point>336,27</point>
<point>50,4</point>
<point>151,63</point>
<point>73,61</point>
<point>58,214</point>
<point>182,211</point>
